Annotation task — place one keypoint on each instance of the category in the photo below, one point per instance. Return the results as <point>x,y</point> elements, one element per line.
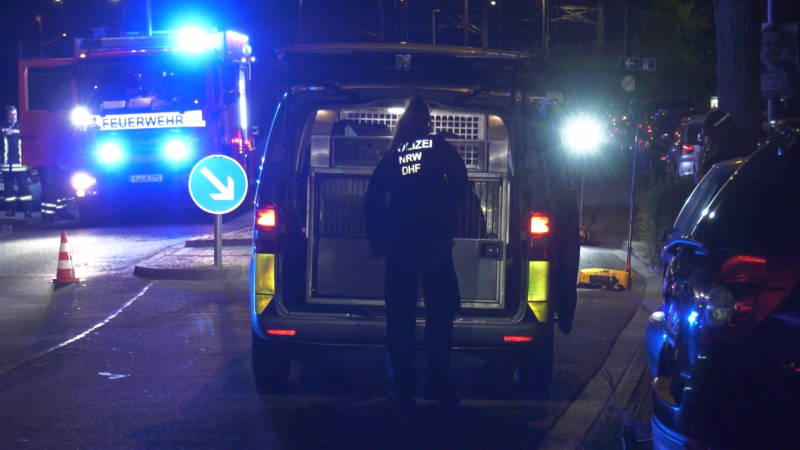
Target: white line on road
<point>84,334</point>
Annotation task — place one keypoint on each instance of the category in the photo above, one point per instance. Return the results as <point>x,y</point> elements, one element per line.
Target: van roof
<point>387,63</point>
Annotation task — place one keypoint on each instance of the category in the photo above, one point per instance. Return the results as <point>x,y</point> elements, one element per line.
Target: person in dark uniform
<point>426,182</point>
<point>727,140</point>
<point>12,168</point>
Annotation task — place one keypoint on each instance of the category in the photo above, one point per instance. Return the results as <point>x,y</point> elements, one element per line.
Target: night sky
<point>274,23</point>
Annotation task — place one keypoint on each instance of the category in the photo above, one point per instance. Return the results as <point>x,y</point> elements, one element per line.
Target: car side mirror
<point>667,234</point>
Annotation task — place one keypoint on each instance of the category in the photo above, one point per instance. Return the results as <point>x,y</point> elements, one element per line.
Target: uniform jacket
<point>426,182</point>
<point>11,157</point>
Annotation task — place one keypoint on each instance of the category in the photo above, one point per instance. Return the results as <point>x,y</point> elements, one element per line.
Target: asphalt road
<point>120,362</point>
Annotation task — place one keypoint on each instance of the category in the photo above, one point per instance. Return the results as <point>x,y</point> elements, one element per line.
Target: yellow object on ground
<point>612,280</point>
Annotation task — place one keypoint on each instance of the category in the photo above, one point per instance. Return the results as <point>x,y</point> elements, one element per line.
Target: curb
<point>229,242</point>
<point>577,421</point>
<point>192,274</point>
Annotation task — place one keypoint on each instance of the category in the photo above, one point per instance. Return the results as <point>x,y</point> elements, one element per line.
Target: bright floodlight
<point>82,181</point>
<point>583,135</point>
<point>110,153</point>
<point>176,150</point>
<point>397,110</point>
<point>192,40</point>
<point>80,117</point>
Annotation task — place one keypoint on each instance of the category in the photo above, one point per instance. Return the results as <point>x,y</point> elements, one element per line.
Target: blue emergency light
<point>110,153</point>
<point>176,150</point>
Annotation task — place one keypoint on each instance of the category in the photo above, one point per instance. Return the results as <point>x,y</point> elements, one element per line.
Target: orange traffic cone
<point>66,271</point>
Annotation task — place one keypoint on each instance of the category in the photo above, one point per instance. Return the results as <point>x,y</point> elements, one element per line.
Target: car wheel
<point>533,369</point>
<point>271,360</point>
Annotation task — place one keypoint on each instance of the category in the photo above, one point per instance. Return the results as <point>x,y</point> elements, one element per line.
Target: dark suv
<point>728,371</point>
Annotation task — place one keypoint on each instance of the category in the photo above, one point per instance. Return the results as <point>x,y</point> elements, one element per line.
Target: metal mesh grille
<point>357,151</point>
<point>473,154</point>
<point>463,126</point>
<point>340,206</point>
<point>480,216</point>
<point>372,117</point>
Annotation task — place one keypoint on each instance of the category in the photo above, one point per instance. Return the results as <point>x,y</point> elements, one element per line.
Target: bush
<point>658,211</point>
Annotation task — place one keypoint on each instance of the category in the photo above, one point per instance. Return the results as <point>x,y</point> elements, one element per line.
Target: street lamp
<point>582,136</point>
<point>434,25</point>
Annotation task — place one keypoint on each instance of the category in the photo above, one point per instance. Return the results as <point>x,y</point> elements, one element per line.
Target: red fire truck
<point>123,122</point>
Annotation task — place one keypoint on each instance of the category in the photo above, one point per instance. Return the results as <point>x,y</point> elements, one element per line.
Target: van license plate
<point>146,178</point>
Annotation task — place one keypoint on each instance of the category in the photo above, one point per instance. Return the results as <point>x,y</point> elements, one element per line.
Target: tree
<point>738,67</point>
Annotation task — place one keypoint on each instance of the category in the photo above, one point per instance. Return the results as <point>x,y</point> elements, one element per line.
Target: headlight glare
<point>176,150</point>
<point>80,117</point>
<point>110,153</point>
<point>82,181</point>
<point>720,306</point>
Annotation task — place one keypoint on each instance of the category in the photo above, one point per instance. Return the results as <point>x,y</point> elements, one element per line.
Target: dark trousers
<point>23,194</point>
<point>435,267</point>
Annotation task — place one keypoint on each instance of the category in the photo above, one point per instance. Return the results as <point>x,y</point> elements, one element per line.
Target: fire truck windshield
<point>161,82</point>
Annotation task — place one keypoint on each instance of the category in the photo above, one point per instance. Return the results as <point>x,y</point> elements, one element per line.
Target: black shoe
<point>444,396</point>
<point>27,214</point>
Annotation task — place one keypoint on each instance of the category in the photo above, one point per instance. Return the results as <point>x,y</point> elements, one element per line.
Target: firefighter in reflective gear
<point>55,186</point>
<point>12,168</point>
<point>426,182</point>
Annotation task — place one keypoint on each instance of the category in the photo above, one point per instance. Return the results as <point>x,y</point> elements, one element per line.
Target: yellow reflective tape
<point>265,280</point>
<point>265,273</point>
<point>262,301</point>
<point>541,309</point>
<point>538,272</point>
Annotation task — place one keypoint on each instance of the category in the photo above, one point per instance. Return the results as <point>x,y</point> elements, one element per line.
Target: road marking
<point>84,334</point>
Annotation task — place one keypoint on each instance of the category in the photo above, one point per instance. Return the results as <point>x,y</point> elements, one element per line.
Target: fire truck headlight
<point>176,150</point>
<point>82,181</point>
<point>583,135</point>
<point>80,117</point>
<point>110,153</point>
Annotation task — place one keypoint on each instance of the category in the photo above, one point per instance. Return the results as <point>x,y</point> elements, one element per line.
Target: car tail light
<point>687,148</point>
<point>539,225</point>
<point>663,158</point>
<point>720,306</point>
<point>744,269</point>
<point>266,218</point>
<point>517,338</point>
<point>282,332</point>
<point>237,141</point>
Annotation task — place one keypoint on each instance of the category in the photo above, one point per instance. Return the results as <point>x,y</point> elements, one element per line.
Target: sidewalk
<point>194,260</point>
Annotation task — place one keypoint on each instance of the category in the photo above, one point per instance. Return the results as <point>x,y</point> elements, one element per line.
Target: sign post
<point>218,185</point>
<point>646,64</point>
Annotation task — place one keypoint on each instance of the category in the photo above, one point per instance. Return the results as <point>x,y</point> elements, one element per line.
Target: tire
<point>271,360</point>
<point>533,369</point>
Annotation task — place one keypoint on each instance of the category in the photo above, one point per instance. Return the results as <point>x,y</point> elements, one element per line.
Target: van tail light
<point>539,225</point>
<point>266,218</point>
<point>687,148</point>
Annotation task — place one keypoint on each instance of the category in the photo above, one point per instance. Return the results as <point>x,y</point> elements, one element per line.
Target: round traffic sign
<point>628,83</point>
<point>218,184</point>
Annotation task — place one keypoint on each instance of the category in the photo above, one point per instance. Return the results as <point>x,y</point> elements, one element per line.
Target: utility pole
<point>771,100</point>
<point>382,29</point>
<point>466,23</point>
<point>485,24</point>
<point>545,44</point>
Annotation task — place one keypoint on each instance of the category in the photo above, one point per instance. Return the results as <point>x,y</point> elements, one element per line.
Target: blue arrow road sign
<point>218,184</point>
<point>637,64</point>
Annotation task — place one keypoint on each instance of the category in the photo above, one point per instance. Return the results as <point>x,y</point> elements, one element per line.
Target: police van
<point>313,280</point>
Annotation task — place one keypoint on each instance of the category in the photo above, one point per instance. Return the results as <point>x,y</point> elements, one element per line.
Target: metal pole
<point>485,24</point>
<point>633,191</point>
<point>300,24</point>
<point>466,23</point>
<point>149,7</point>
<point>217,240</point>
<point>580,208</point>
<point>434,25</point>
<point>545,49</point>
<point>770,101</point>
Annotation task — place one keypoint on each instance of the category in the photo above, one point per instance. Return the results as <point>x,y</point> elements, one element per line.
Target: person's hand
<point>6,132</point>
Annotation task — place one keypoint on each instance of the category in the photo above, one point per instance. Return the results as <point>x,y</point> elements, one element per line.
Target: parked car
<point>657,131</point>
<point>684,154</point>
<point>727,372</point>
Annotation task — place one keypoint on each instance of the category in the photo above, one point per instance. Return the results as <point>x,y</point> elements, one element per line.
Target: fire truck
<point>123,121</point>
